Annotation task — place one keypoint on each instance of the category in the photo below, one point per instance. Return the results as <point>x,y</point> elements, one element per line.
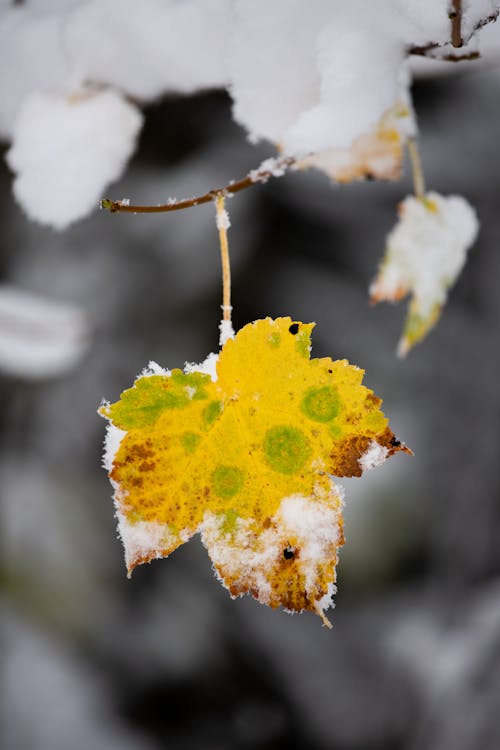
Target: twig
<point>455,16</point>
<point>269,168</point>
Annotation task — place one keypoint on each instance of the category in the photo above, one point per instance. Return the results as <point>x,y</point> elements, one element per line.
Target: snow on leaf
<point>374,155</point>
<point>67,149</point>
<point>247,461</point>
<point>425,254</point>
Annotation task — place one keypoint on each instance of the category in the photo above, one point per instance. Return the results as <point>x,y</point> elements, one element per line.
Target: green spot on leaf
<point>211,412</point>
<point>321,404</point>
<point>335,431</point>
<point>192,383</point>
<point>303,343</point>
<point>143,404</point>
<point>227,481</point>
<point>190,441</point>
<point>229,521</point>
<point>274,340</point>
<point>286,449</point>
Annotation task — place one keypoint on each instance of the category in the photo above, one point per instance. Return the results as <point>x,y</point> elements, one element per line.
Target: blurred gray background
<point>93,661</point>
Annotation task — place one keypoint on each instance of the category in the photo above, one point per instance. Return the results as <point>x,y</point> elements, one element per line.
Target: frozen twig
<point>269,168</point>
<point>456,23</point>
<point>430,50</point>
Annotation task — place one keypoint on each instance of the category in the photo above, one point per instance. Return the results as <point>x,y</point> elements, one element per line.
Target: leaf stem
<point>416,167</point>
<point>222,221</point>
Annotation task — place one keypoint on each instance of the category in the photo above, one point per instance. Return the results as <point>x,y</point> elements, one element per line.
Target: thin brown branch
<point>455,16</point>
<point>430,50</point>
<point>487,20</point>
<point>269,168</point>
<point>460,58</point>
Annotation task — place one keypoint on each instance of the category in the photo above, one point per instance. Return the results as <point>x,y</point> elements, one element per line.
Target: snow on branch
<point>327,83</point>
<point>269,168</point>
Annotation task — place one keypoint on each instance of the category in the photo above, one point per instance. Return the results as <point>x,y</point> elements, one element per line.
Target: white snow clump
<point>67,149</point>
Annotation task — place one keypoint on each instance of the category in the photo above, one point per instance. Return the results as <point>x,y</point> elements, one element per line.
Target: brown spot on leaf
<point>372,401</point>
<point>346,453</point>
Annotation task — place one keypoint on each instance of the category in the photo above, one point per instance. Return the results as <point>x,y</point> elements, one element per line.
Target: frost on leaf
<point>247,461</point>
<point>425,254</point>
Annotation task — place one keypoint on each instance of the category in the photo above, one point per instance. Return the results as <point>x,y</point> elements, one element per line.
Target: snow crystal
<point>222,219</point>
<point>39,337</point>
<point>143,539</point>
<point>66,150</point>
<point>374,455</point>
<point>326,601</point>
<point>272,167</point>
<point>112,441</point>
<point>207,367</point>
<point>226,332</point>
<point>154,369</point>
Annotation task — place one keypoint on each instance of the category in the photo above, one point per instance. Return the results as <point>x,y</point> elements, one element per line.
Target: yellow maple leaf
<point>246,459</point>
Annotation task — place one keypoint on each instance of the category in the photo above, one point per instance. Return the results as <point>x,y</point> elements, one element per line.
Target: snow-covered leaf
<point>375,155</point>
<point>247,460</point>
<point>425,253</point>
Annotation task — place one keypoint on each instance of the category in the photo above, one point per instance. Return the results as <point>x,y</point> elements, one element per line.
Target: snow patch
<point>112,442</point>
<point>154,368</point>
<point>207,367</point>
<point>373,456</point>
<point>67,149</point>
<point>143,539</point>
<point>222,219</point>
<point>251,559</point>
<point>226,332</point>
